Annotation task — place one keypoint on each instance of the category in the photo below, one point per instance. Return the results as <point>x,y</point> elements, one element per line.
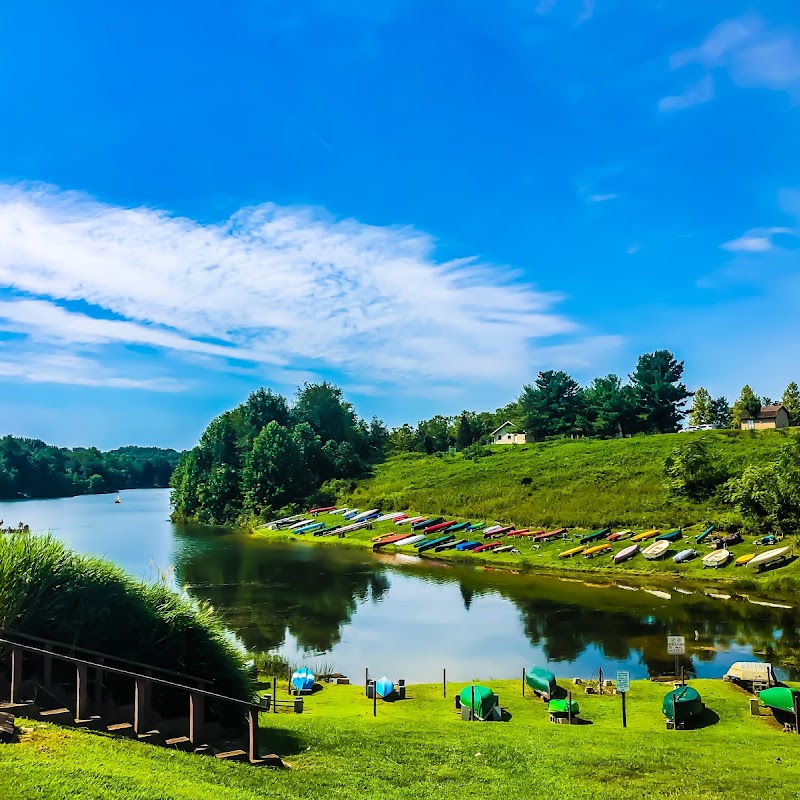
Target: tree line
<point>267,455</point>
<point>29,468</point>
<point>651,401</point>
<point>717,412</point>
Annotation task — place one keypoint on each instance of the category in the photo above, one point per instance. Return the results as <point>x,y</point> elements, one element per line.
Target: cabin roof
<point>768,412</point>
<point>507,424</point>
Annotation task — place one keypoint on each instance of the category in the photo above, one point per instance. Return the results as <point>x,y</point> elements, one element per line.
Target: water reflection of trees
<point>262,593</point>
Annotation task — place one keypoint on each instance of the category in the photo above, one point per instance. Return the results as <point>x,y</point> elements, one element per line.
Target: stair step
<point>121,729</point>
<point>152,737</point>
<point>58,716</point>
<point>24,709</point>
<point>205,750</point>
<point>180,743</point>
<point>93,723</point>
<point>233,755</point>
<point>270,760</point>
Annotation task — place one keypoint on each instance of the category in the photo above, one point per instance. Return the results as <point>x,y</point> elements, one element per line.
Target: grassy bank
<point>584,483</point>
<point>419,748</point>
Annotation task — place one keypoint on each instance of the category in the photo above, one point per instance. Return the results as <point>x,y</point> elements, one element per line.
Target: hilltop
<point>582,483</point>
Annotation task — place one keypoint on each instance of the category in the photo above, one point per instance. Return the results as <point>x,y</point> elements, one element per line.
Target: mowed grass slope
<point>584,483</point>
<point>419,748</point>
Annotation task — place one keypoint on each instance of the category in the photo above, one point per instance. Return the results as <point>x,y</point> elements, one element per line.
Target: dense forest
<point>29,468</point>
<point>267,455</point>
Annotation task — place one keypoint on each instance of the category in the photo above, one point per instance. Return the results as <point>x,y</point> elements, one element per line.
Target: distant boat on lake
<point>117,500</point>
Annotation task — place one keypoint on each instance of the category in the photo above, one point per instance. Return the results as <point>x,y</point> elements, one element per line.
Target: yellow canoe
<point>600,548</point>
<point>573,552</point>
<point>640,537</point>
<point>742,560</point>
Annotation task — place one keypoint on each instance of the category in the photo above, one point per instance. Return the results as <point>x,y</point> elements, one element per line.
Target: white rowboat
<point>769,557</point>
<point>717,558</point>
<point>656,550</point>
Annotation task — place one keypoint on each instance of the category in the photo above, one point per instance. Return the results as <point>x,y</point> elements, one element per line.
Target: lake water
<point>413,617</point>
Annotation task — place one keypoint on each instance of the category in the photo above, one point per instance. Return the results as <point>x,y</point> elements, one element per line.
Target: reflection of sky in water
<point>429,618</point>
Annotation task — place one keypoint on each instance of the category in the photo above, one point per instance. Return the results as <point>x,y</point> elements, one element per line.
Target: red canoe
<point>440,527</point>
<point>490,546</point>
<point>321,510</point>
<point>543,537</point>
<point>498,534</point>
<point>390,540</point>
<point>519,532</point>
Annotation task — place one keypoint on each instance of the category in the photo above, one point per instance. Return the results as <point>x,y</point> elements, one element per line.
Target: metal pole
<point>624,717</point>
<point>375,699</point>
<point>274,695</point>
<point>683,676</point>
<point>472,717</point>
<point>444,683</point>
<point>523,681</point>
<point>674,713</point>
<point>796,701</point>
<point>569,707</point>
<point>600,673</point>
<point>366,676</point>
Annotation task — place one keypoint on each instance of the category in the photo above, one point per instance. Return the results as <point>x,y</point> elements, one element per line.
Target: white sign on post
<point>623,681</point>
<point>676,645</point>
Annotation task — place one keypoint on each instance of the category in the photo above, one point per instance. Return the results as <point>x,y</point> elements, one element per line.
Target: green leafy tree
<point>768,494</point>
<point>464,435</point>
<point>323,407</point>
<point>701,413</point>
<point>609,406</point>
<point>791,402</point>
<point>272,469</point>
<point>660,396</point>
<point>402,439</point>
<point>721,413</point>
<point>551,406</point>
<point>690,471</point>
<point>97,484</point>
<point>748,406</point>
<point>435,435</point>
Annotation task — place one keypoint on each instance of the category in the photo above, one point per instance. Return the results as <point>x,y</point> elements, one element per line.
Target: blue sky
<point>424,202</point>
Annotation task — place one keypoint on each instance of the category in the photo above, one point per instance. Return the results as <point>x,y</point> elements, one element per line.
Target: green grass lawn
<point>420,748</point>
<point>584,483</point>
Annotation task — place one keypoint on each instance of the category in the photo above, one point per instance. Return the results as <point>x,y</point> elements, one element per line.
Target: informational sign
<point>623,681</point>
<point>676,645</point>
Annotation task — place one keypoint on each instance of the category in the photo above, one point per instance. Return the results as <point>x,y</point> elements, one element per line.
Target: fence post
<point>274,695</point>
<point>16,675</point>
<point>47,676</point>
<point>444,682</point>
<point>98,686</point>
<point>523,681</point>
<point>252,724</point>
<point>196,717</point>
<point>141,705</point>
<point>81,692</point>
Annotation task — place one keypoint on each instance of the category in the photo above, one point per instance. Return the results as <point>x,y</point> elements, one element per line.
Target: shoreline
<point>545,561</point>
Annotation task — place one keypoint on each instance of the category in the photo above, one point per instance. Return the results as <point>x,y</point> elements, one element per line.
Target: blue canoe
<point>684,555</point>
<point>705,534</point>
<point>428,543</point>
<point>461,526</point>
<point>467,546</point>
<point>384,687</point>
<point>303,680</point>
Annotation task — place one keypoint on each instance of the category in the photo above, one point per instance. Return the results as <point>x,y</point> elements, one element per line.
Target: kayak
<point>417,537</point>
<point>595,551</point>
<point>682,704</point>
<point>563,707</point>
<point>768,557</point>
<point>542,681</point>
<point>485,700</point>
<point>384,687</point>
<point>656,550</point>
<point>672,536</point>
<point>615,537</point>
<point>780,697</point>
<point>485,547</point>
<point>700,538</point>
<point>742,560</point>
<point>684,555</point>
<point>627,552</point>
<point>573,551</point>
<point>466,546</point>
<point>303,680</point>
<point>640,537</point>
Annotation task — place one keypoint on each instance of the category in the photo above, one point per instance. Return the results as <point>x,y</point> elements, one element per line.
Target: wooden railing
<point>143,684</point>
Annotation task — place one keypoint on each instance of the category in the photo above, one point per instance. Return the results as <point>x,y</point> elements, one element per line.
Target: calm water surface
<point>410,618</point>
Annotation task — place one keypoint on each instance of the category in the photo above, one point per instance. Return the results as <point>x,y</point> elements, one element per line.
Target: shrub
<point>690,471</point>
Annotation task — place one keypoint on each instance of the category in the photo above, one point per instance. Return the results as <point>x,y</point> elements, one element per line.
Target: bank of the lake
<point>420,748</point>
<point>545,559</point>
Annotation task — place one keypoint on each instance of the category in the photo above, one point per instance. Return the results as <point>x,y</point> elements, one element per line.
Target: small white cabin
<point>508,433</point>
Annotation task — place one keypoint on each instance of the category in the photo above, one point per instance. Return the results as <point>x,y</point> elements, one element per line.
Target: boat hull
<point>682,705</point>
<point>542,681</point>
<point>485,700</point>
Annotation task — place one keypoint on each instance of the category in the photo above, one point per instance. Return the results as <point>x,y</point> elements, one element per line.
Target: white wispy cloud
<point>278,288</point>
<point>753,54</point>
<point>756,240</point>
<point>601,198</point>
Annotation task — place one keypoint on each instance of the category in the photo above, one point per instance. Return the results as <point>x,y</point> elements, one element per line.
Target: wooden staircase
<point>32,692</point>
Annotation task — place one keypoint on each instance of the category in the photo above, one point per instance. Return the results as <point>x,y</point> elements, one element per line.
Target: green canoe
<point>485,700</point>
<point>563,707</point>
<point>542,681</point>
<point>780,697</point>
<point>681,704</point>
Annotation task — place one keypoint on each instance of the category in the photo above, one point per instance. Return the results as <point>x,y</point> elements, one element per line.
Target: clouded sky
<point>424,202</point>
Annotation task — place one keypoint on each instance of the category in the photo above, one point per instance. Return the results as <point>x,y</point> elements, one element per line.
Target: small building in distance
<point>509,433</point>
<point>769,417</point>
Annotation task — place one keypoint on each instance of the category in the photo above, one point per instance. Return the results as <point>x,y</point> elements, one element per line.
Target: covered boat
<point>672,536</point>
<point>727,541</point>
<point>542,681</point>
<point>779,697</point>
<point>384,687</point>
<point>303,679</point>
<point>485,700</point>
<point>684,555</point>
<point>627,552</point>
<point>683,704</point>
<point>769,557</point>
<point>563,708</point>
<point>594,536</point>
<point>700,538</point>
<point>640,537</point>
<point>656,550</point>
<point>716,559</point>
<point>750,672</point>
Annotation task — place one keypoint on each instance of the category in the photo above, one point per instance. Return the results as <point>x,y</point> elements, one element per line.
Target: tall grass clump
<point>47,590</point>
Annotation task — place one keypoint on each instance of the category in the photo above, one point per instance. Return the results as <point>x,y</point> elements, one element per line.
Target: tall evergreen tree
<point>609,406</point>
<point>721,413</point>
<point>660,396</point>
<point>791,402</point>
<point>464,435</point>
<point>701,413</point>
<point>747,406</point>
<point>551,406</point>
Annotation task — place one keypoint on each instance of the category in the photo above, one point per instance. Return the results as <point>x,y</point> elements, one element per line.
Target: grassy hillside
<point>420,748</point>
<point>584,483</point>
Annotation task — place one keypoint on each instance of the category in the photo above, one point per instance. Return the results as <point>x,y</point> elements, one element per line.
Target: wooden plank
<point>7,729</point>
<point>16,674</point>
